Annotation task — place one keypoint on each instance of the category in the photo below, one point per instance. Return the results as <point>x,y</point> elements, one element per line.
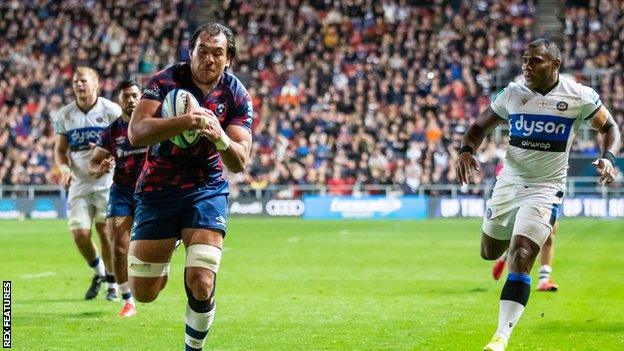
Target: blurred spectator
<point>346,93</point>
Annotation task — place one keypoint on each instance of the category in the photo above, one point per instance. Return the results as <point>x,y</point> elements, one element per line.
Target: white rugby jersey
<point>82,128</point>
<point>541,129</point>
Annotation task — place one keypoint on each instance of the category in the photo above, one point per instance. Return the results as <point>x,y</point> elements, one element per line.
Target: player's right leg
<point>79,222</point>
<point>148,267</point>
<point>154,234</point>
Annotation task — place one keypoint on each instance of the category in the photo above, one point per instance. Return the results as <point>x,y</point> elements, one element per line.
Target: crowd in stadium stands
<point>346,93</point>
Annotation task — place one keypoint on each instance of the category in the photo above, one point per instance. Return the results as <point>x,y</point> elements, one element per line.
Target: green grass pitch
<point>335,285</point>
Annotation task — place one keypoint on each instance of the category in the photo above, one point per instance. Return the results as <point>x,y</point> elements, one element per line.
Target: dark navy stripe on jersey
<point>536,144</point>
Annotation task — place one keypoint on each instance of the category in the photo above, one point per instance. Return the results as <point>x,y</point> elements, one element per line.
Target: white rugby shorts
<point>83,210</point>
<point>528,210</point>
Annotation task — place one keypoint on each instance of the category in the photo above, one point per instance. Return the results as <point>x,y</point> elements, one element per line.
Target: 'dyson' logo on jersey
<point>529,127</point>
<point>80,138</point>
<point>539,132</point>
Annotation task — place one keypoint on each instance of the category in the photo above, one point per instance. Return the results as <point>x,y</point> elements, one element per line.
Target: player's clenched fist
<point>467,164</point>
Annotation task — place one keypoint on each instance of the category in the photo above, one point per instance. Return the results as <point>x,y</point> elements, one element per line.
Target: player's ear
<point>556,64</point>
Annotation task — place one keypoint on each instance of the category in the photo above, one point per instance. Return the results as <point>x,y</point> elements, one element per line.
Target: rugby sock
<point>199,317</point>
<point>197,327</point>
<point>98,266</point>
<point>126,294</point>
<point>110,281</point>
<point>514,298</point>
<point>544,273</point>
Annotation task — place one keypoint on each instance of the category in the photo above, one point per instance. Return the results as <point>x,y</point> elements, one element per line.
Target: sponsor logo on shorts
<point>488,213</point>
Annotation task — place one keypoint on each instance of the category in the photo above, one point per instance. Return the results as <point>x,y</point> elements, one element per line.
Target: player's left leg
<point>99,202</point>
<point>204,227</point>
<point>203,255</point>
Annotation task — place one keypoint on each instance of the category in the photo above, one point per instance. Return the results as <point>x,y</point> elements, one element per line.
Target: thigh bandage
<point>138,268</point>
<point>205,256</point>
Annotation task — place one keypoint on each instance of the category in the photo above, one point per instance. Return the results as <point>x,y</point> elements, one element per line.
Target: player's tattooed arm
<point>471,141</point>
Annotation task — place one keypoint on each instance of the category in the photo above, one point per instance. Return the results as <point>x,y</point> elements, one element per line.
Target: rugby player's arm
<point>99,154</point>
<point>147,128</point>
<point>235,157</point>
<point>486,121</point>
<point>61,146</point>
<point>606,126</point>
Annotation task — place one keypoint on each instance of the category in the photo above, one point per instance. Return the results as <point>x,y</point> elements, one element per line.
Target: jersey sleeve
<point>154,90</point>
<point>59,125</point>
<point>242,114</point>
<point>590,104</point>
<point>499,104</point>
<point>114,112</point>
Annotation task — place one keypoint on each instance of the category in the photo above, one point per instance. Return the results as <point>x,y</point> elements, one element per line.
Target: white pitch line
<point>37,275</point>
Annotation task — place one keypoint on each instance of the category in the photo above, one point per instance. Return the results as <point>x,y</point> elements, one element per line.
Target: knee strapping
<point>138,268</point>
<point>205,256</point>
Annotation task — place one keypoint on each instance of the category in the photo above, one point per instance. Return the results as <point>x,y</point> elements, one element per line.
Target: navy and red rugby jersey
<point>168,166</point>
<point>128,159</point>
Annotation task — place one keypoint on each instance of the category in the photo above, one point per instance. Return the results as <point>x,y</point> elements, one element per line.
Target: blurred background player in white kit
<point>78,127</point>
<point>115,149</point>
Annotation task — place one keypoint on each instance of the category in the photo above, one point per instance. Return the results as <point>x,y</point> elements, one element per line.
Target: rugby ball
<point>175,104</point>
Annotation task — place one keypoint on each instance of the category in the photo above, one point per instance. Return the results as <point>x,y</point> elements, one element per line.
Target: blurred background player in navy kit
<point>181,192</point>
<point>78,125</point>
<point>115,151</point>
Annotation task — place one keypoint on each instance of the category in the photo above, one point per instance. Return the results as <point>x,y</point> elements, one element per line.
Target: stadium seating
<point>344,94</point>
